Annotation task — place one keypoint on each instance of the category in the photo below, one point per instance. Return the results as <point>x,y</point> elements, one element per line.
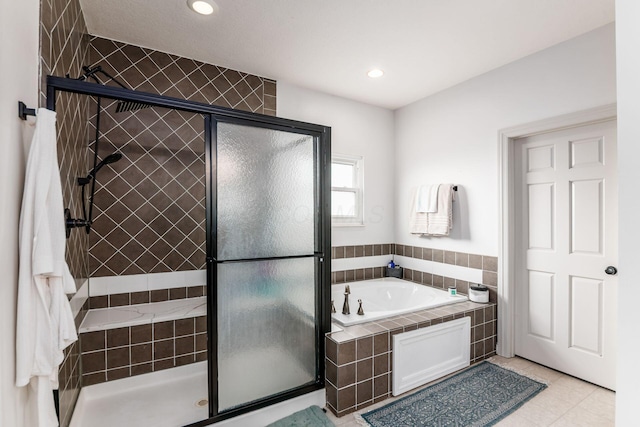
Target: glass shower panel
<point>266,328</point>
<point>265,193</point>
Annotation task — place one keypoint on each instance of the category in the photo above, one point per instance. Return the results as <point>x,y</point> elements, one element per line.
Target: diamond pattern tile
<point>152,71</point>
<point>149,212</point>
<point>64,48</point>
<point>154,197</point>
<point>149,192</point>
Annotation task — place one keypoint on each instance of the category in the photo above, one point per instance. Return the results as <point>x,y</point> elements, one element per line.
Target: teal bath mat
<point>480,396</point>
<point>313,416</point>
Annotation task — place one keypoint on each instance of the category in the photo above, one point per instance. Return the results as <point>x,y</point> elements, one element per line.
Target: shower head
<point>111,158</point>
<point>123,106</point>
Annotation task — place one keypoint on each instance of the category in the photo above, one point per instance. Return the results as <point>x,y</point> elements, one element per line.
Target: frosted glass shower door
<point>266,263</point>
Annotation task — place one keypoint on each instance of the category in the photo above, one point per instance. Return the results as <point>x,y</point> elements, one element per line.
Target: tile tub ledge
<point>140,314</point>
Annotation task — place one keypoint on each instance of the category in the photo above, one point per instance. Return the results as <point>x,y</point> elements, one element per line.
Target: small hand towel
<point>427,198</point>
<point>418,221</point>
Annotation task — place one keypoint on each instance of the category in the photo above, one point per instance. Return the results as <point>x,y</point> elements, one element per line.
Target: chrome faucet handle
<point>360,310</point>
<point>345,306</point>
<point>333,307</point>
<point>347,289</point>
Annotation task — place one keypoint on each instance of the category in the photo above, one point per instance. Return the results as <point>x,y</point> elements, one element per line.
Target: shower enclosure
<point>267,250</point>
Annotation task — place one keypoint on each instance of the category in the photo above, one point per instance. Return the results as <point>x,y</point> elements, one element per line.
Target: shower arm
<point>91,73</point>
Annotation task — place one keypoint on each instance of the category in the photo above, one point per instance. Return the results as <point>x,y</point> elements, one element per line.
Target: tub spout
<point>345,306</point>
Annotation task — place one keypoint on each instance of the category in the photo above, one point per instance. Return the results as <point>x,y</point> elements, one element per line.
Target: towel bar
<point>23,111</point>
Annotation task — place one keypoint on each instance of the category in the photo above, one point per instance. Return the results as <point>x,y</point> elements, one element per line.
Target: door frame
<point>506,216</point>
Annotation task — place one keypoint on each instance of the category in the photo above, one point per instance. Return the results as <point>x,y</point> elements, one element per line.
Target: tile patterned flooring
<point>566,402</point>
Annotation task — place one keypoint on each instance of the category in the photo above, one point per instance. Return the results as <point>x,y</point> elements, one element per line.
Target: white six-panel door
<point>566,236</point>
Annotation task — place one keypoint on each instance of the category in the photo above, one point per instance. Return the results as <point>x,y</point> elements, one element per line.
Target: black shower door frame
<point>211,116</point>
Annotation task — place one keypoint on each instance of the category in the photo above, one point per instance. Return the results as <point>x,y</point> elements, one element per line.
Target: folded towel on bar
<point>427,198</point>
<point>418,221</point>
<point>441,222</point>
<point>437,223</point>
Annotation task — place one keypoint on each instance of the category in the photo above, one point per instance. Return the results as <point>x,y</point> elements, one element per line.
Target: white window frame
<point>358,189</point>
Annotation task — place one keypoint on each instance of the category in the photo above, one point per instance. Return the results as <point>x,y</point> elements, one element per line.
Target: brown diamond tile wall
<point>64,47</point>
<point>149,207</point>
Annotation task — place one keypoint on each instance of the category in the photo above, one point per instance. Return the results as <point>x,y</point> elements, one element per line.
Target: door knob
<point>611,270</point>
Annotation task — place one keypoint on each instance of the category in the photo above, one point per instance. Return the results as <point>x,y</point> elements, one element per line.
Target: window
<point>346,190</point>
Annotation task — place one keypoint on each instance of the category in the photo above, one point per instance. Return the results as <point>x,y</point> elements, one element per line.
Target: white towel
<point>441,222</point>
<point>417,220</point>
<point>427,198</point>
<point>45,324</point>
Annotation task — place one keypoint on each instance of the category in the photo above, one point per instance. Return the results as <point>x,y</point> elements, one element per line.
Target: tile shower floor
<point>567,401</point>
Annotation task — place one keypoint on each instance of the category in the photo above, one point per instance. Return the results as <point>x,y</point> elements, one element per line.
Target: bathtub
<point>387,297</point>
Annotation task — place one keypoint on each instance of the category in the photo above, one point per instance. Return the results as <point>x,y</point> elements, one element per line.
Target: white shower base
<point>169,398</point>
<point>165,398</point>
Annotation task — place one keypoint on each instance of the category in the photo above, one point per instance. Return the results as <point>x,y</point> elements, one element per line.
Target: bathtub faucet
<point>345,306</point>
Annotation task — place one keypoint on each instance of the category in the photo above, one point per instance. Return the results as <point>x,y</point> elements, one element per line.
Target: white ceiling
<point>423,46</point>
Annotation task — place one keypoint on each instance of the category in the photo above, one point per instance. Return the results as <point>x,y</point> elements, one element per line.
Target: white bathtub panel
<point>427,354</point>
<point>360,262</point>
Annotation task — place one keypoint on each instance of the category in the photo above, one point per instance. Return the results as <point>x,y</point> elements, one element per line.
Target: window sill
<point>346,224</point>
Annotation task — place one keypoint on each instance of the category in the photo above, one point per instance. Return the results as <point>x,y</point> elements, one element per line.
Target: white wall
<point>452,136</point>
<point>19,68</point>
<point>628,72</point>
<point>356,129</point>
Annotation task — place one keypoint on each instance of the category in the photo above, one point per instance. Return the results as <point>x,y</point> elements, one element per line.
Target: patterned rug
<point>479,396</point>
<point>313,416</point>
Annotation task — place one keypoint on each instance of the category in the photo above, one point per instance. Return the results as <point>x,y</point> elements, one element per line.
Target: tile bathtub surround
<point>488,265</point>
<point>356,251</point>
<point>358,359</point>
<point>150,205</point>
<point>123,352</point>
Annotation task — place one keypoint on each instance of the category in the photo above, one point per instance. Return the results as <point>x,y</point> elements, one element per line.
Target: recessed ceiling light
<point>375,73</point>
<point>203,7</point>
